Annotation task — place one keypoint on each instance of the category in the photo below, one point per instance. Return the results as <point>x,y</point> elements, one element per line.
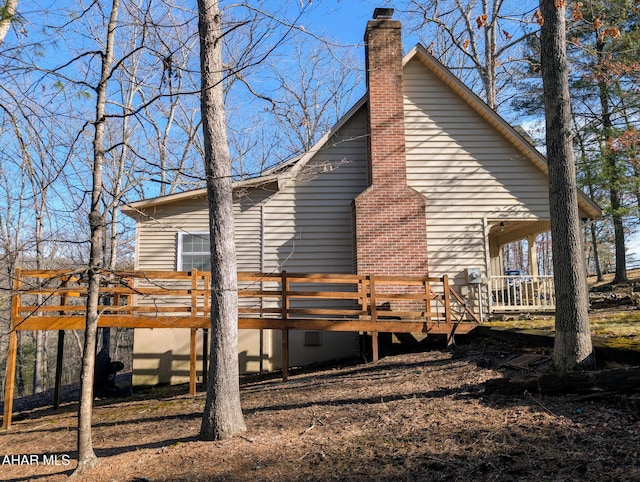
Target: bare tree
<point>476,39</point>
<point>86,456</point>
<point>29,162</point>
<point>12,213</point>
<point>572,347</point>
<point>39,174</point>
<point>589,180</point>
<point>222,415</point>
<point>310,97</point>
<point>173,121</point>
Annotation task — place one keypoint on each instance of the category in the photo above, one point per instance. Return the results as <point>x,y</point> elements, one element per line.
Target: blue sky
<point>344,20</point>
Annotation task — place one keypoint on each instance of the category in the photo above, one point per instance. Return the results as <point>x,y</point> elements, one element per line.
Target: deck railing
<point>522,293</point>
<point>55,300</point>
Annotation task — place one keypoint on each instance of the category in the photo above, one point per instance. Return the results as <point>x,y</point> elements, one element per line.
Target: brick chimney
<point>389,216</point>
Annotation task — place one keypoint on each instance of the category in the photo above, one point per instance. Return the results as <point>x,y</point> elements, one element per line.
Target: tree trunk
<point>8,13</point>
<point>86,456</point>
<point>39,362</point>
<point>572,346</point>
<point>636,184</point>
<point>19,366</point>
<point>587,172</point>
<point>491,61</point>
<point>596,254</point>
<point>39,207</point>
<point>222,415</point>
<point>611,165</point>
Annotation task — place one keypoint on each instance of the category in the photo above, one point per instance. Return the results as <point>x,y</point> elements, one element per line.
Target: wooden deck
<point>55,300</point>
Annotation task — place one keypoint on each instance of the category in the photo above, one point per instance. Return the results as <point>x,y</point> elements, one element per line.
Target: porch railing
<point>522,293</point>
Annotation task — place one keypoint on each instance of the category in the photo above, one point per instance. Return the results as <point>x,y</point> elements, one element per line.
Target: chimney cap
<point>382,13</point>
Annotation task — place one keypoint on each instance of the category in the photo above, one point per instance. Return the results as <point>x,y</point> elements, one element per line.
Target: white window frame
<point>180,252</point>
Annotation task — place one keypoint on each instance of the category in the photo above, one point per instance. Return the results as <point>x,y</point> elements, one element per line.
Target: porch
<point>511,290</point>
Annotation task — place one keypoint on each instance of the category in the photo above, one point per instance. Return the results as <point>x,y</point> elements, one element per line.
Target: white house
<point>420,176</point>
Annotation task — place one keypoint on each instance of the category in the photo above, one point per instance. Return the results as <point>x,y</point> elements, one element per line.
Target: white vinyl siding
<point>159,231</point>
<point>308,228</point>
<point>467,172</point>
<point>308,224</point>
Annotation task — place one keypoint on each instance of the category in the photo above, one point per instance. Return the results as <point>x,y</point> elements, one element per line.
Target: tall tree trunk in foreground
<point>572,347</point>
<point>86,456</point>
<point>222,415</point>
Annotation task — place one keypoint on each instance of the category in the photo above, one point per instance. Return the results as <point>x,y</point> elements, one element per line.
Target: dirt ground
<point>420,416</point>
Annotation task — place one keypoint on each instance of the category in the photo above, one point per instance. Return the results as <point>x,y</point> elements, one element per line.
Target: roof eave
<point>130,209</point>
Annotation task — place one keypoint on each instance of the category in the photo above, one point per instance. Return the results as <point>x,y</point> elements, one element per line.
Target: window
<point>194,252</point>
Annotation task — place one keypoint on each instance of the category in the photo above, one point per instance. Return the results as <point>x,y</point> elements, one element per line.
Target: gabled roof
<point>282,173</point>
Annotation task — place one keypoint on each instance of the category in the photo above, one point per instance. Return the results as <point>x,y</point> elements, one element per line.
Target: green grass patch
<point>614,329</point>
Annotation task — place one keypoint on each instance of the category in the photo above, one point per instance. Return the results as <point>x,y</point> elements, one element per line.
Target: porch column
<point>494,259</point>
<point>533,255</point>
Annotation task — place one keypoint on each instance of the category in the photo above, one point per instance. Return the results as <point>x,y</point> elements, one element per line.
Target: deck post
<point>59,360</point>
<point>447,299</point>
<point>10,379</point>
<point>427,299</point>
<point>447,308</point>
<point>285,332</point>
<point>192,340</point>
<point>375,355</point>
<point>192,362</point>
<point>10,371</point>
<point>364,306</point>
<point>60,353</point>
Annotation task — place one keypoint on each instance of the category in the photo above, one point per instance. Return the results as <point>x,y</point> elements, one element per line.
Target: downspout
<point>487,264</point>
<point>262,269</point>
